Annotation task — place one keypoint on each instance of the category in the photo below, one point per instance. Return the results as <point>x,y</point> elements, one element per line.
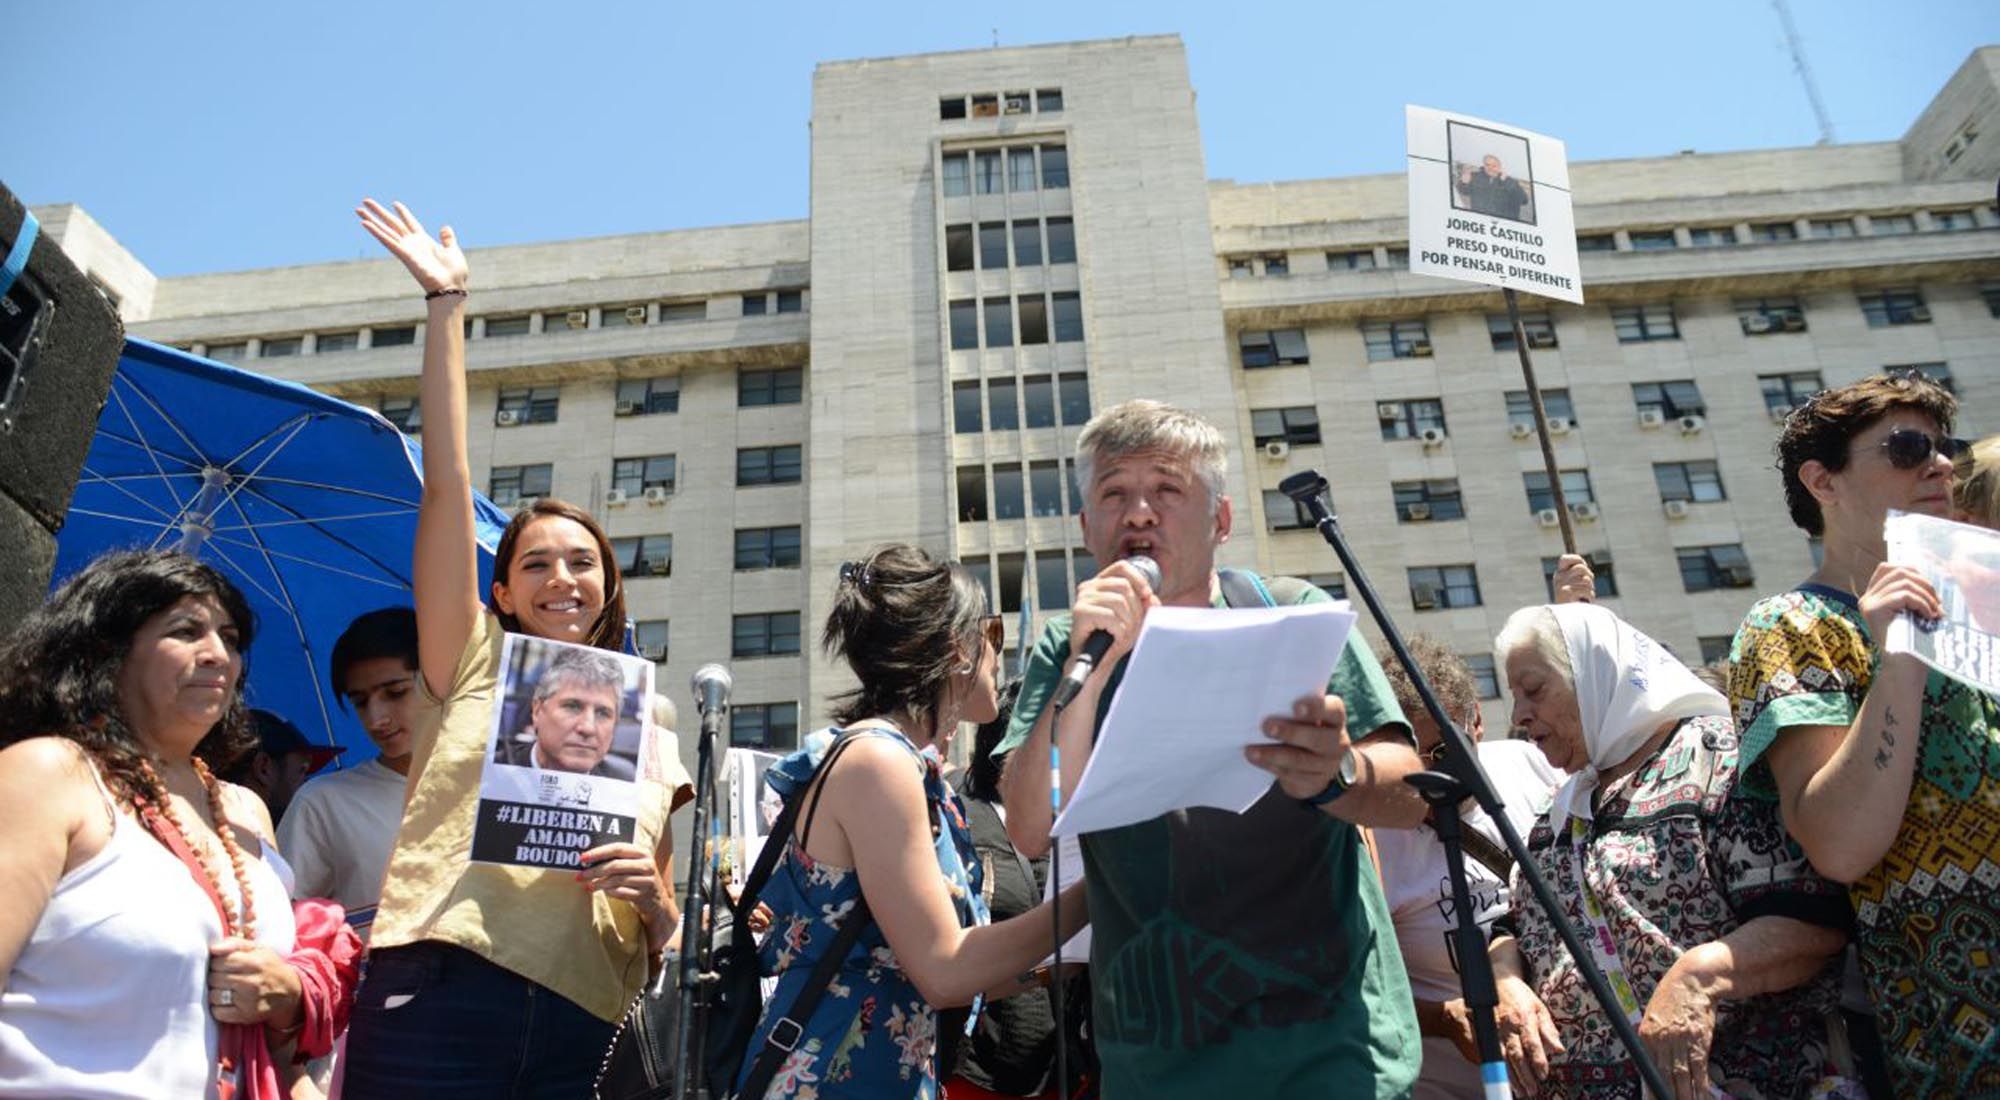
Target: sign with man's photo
<point>1490,204</point>
<point>562,766</point>
<point>1962,563</point>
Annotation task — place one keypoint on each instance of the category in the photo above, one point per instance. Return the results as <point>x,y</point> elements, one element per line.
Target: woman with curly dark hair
<point>143,915</point>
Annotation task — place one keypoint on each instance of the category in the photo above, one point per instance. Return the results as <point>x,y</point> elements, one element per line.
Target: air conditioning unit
<point>1548,517</point>
<point>1651,418</point>
<point>1541,339</point>
<point>614,498</point>
<point>628,408</point>
<point>1424,596</point>
<point>1417,512</point>
<point>507,418</point>
<point>1738,576</point>
<point>1520,429</point>
<point>1692,424</point>
<point>653,652</point>
<point>635,315</point>
<point>1780,413</point>
<point>1675,509</point>
<point>1585,510</point>
<point>1917,314</point>
<point>1422,349</point>
<point>1017,105</point>
<point>661,568</point>
<point>577,318</point>
<point>1276,448</point>
<point>1432,437</point>
<point>656,494</point>
<point>1756,324</point>
<point>1559,425</point>
<point>1389,410</point>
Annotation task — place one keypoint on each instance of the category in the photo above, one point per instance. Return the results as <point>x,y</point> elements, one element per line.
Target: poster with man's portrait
<point>1490,203</point>
<point>1962,564</point>
<point>1492,171</point>
<point>570,726</point>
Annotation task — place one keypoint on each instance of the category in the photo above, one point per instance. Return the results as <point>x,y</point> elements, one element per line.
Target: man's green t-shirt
<point>1241,954</point>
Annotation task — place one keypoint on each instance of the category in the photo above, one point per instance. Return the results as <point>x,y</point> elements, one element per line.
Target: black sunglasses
<point>1909,448</point>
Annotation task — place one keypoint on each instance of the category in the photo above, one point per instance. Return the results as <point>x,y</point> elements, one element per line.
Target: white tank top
<point>109,997</point>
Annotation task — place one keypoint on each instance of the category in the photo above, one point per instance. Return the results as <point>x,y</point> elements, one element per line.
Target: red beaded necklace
<point>241,923</point>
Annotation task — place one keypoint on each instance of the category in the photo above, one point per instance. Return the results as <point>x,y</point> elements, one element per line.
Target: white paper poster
<point>1962,562</point>
<point>563,752</point>
<point>1490,204</point>
<point>753,807</point>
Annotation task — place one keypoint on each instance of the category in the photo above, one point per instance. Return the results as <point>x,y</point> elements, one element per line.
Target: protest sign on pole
<point>1490,204</point>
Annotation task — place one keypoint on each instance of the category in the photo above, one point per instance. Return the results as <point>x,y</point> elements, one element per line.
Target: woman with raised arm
<point>489,980</point>
<point>879,826</point>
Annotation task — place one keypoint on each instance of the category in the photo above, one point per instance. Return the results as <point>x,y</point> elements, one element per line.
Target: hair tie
<point>857,573</point>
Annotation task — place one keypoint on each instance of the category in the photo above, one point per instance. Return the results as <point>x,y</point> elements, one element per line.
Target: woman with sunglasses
<point>880,826</point>
<point>1883,770</point>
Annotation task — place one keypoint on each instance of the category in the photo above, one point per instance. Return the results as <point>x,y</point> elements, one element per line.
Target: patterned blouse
<point>1928,916</point>
<point>873,1035</point>
<point>1672,862</point>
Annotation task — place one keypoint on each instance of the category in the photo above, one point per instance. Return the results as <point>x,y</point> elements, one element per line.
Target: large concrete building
<point>1003,241</point>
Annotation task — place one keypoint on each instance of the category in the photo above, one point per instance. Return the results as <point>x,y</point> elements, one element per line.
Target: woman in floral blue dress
<point>916,633</point>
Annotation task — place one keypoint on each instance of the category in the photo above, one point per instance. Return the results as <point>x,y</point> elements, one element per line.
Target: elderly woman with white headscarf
<point>1720,942</point>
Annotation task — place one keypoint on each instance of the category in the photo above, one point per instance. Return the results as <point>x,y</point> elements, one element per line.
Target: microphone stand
<point>1463,777</point>
<point>696,978</point>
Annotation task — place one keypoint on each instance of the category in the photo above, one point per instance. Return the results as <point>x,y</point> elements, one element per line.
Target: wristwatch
<point>1343,777</point>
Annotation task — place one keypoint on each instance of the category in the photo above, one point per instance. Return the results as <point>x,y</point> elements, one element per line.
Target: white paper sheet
<point>1078,947</point>
<point>1199,685</point>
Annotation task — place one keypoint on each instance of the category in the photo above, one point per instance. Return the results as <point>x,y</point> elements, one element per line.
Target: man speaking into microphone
<point>1243,955</point>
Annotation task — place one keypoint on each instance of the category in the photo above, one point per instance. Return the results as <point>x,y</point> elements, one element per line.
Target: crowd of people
<point>1785,865</point>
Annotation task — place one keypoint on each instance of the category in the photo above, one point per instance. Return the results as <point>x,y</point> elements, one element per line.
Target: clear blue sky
<point>221,136</point>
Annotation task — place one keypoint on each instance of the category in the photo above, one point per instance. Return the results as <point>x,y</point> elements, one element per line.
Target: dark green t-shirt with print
<point>1238,955</point>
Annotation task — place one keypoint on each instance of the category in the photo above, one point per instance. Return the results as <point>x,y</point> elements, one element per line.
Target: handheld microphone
<point>711,686</point>
<point>1099,642</point>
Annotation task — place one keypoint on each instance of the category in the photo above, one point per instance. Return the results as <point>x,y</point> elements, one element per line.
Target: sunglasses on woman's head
<point>1909,448</point>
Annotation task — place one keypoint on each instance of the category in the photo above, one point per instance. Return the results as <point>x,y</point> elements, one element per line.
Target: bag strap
<point>1490,855</point>
<point>788,1029</point>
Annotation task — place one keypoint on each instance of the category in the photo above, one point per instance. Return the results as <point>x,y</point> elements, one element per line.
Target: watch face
<point>1349,768</point>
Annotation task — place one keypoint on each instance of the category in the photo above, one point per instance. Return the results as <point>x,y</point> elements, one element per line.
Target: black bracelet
<point>447,292</point>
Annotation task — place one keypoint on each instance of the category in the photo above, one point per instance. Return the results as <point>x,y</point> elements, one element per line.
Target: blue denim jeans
<point>438,1021</point>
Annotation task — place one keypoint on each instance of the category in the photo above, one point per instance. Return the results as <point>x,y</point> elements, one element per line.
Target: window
<point>1936,372</point>
<point>1596,242</point>
<point>957,249</point>
<point>951,108</point>
<point>1002,414</point>
<point>1062,241</point>
<point>1396,339</point>
<point>497,327</point>
<point>1008,501</point>
<point>1075,491</point>
<point>1643,324</point>
<point>1694,482</point>
<point>281,348</point>
<point>527,405</point>
<point>1540,329</point>
<point>986,171</point>
<point>1073,398</point>
<point>1774,231</point>
<point>1483,674</point>
<point>633,476</point>
<point>404,412</point>
<point>1360,259</point>
<point>1276,348</point>
<point>383,337</point>
<point>1282,513</point>
<point>1045,488</point>
<point>779,386</point>
<point>1991,294</point>
<point>1709,567</point>
<point>1028,243</point>
<point>1711,236</point>
<point>965,410</point>
<point>1653,240</point>
<point>673,313</point>
<point>1605,584</point>
<point>228,353</point>
<point>1902,306</point>
<point>621,316</point>
<point>1242,267</point>
<point>791,301</point>
<point>1034,319</point>
<point>1399,259</point>
<point>769,465</point>
<point>1011,566</point>
<point>510,485</point>
<point>1763,316</point>
<point>766,726</point>
<point>1949,220</point>
<point>1051,581</point>
<point>1048,101</point>
<point>1297,425</point>
<point>1715,647</point>
<point>1785,392</point>
<point>1891,225</point>
<point>648,396</point>
<point>992,245</point>
<point>650,635</point>
<point>964,324</point>
<point>1576,488</point>
<point>1055,167</point>
<point>972,494</point>
<point>1556,403</point>
<point>1424,501</point>
<point>1408,419</point>
<point>999,314</point>
<point>1442,586</point>
<point>644,556</point>
<point>985,106</point>
<point>1672,400</point>
<point>767,548</point>
<point>982,571</point>
<point>1068,308</point>
<point>329,342</point>
<point>1038,394</point>
<point>1826,229</point>
<point>1333,584</point>
<point>1277,264</point>
<point>769,634</point>
<point>957,177</point>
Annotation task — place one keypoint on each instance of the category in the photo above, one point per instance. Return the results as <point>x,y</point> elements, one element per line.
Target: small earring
<point>965,669</point>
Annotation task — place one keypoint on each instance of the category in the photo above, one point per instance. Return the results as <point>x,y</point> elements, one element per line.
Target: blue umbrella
<point>307,503</point>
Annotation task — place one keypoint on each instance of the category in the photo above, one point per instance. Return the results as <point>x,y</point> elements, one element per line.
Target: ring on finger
<point>225,997</point>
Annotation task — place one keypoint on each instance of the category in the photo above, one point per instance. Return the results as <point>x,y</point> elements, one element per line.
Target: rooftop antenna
<point>1804,70</point>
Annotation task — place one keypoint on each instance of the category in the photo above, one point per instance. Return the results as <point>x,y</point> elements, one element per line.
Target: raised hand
<point>438,265</point>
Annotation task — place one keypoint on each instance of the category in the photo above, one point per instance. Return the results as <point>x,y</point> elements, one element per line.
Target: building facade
<point>1002,242</point>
